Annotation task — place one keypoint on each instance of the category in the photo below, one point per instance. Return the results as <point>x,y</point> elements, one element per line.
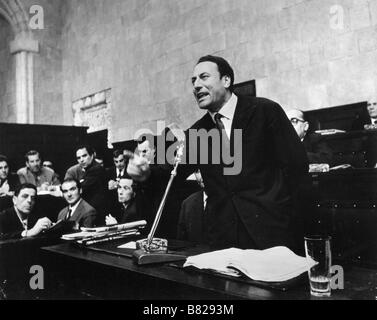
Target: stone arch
<point>22,48</point>
<point>13,11</point>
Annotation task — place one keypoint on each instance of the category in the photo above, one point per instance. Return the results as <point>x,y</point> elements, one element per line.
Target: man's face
<point>47,164</point>
<point>210,90</point>
<point>34,163</point>
<point>4,170</point>
<point>71,192</point>
<point>25,200</point>
<point>83,158</point>
<point>120,162</point>
<point>125,190</point>
<point>144,149</point>
<point>372,109</point>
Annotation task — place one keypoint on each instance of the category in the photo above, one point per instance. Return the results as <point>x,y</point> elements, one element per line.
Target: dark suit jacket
<point>192,223</point>
<point>84,215</point>
<point>93,185</point>
<point>111,173</point>
<point>259,200</point>
<point>360,121</point>
<point>317,150</point>
<point>10,225</point>
<point>13,181</point>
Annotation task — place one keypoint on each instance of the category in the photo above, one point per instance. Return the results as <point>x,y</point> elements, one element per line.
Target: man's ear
<point>27,164</point>
<point>306,128</point>
<point>226,80</point>
<point>14,199</point>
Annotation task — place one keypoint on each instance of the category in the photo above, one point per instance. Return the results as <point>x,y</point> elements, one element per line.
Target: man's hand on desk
<point>138,167</point>
<point>42,224</point>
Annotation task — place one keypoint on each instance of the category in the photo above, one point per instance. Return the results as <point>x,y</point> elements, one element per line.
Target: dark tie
<point>224,137</point>
<point>68,214</point>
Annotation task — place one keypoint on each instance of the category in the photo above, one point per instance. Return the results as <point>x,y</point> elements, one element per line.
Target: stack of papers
<point>276,264</point>
<point>329,131</point>
<point>89,236</point>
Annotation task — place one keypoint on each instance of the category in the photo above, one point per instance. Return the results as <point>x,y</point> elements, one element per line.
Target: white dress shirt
<point>227,111</point>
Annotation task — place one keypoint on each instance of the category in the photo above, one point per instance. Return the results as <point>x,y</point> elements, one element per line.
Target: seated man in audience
<point>91,176</point>
<point>78,210</point>
<point>317,151</point>
<point>15,222</point>
<point>8,180</point>
<point>371,118</point>
<point>192,218</point>
<point>118,171</point>
<point>129,208</point>
<point>36,174</point>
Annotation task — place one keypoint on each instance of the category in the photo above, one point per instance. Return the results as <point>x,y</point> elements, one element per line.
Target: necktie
<point>68,214</point>
<point>225,143</point>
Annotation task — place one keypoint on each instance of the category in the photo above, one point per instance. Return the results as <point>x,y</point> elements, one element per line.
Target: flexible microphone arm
<point>177,161</point>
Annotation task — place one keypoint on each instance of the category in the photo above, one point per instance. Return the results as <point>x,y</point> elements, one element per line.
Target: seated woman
<point>129,207</point>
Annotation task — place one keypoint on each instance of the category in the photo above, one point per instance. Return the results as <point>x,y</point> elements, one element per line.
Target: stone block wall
<point>308,54</point>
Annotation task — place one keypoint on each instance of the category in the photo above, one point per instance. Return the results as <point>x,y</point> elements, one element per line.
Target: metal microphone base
<point>155,252</point>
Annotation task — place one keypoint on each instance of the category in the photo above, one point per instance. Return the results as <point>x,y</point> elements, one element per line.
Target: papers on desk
<point>329,131</point>
<point>117,227</point>
<point>89,236</point>
<point>276,264</point>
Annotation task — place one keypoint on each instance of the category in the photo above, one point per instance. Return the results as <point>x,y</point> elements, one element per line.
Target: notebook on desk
<point>301,280</point>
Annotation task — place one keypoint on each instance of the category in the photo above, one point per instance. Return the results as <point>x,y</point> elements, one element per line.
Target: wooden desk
<point>104,275</point>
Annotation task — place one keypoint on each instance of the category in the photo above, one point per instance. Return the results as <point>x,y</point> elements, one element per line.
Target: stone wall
<point>48,64</point>
<point>7,74</point>
<point>303,53</point>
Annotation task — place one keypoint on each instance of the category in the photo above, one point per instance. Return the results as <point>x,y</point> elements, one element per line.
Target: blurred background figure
<point>192,224</point>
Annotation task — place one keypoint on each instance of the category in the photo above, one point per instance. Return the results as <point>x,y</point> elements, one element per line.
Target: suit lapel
<point>78,211</point>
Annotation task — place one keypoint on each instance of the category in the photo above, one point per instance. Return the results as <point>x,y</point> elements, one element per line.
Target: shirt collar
<point>73,208</point>
<point>227,109</point>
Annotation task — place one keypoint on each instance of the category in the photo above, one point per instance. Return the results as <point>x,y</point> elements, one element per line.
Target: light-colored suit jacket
<point>45,175</point>
<point>84,215</point>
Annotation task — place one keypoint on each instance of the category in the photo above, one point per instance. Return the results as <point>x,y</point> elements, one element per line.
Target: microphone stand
<point>155,250</point>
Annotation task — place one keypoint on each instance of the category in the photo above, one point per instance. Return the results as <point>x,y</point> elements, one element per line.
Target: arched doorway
<point>17,101</point>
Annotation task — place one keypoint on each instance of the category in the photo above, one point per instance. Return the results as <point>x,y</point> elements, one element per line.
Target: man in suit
<point>252,205</point>
<point>16,222</point>
<point>368,118</point>
<point>316,149</point>
<point>8,180</point>
<point>35,173</point>
<point>129,208</point>
<point>117,171</point>
<point>91,176</point>
<point>192,223</point>
<point>78,210</point>
<point>113,175</point>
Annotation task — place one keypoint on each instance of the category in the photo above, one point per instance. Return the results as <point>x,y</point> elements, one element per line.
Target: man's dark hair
<point>31,153</point>
<point>4,159</point>
<point>224,67</point>
<point>88,148</point>
<point>23,186</point>
<point>117,153</point>
<point>78,184</point>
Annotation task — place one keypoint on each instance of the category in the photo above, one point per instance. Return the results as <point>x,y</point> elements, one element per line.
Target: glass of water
<point>318,250</point>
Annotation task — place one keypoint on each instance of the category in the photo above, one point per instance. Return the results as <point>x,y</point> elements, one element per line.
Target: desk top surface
<point>359,283</point>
